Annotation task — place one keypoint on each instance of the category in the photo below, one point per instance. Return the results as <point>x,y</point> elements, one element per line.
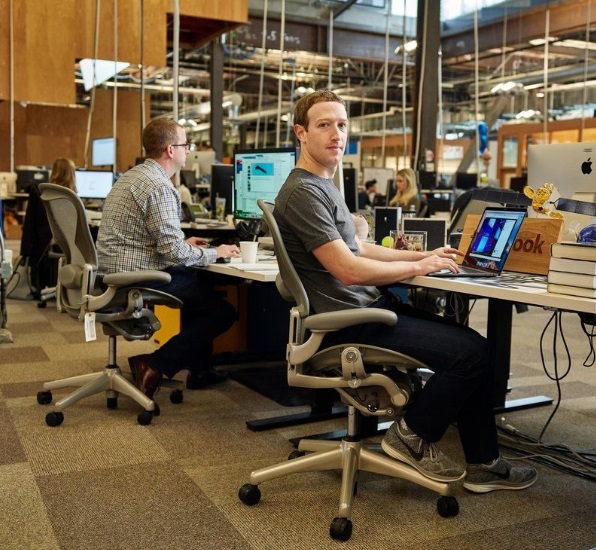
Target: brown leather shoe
<point>146,379</point>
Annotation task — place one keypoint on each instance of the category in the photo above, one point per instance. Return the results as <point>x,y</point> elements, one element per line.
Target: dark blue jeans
<point>205,315</point>
<point>460,389</point>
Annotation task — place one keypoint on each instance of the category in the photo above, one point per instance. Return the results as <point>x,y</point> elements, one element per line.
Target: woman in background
<point>407,191</point>
<point>63,173</point>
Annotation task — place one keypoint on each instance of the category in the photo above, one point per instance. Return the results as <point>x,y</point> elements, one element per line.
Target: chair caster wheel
<point>340,529</point>
<point>249,494</point>
<point>447,507</point>
<point>295,454</point>
<point>54,419</point>
<point>176,397</point>
<point>145,418</point>
<point>44,397</point>
<point>112,402</point>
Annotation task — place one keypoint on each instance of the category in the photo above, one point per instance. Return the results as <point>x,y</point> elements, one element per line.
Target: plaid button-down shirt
<point>140,226</point>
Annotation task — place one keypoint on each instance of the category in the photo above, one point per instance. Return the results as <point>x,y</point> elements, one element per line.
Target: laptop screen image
<point>493,239</point>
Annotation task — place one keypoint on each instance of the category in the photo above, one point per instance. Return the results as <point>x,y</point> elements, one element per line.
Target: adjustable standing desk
<point>322,401</point>
<point>502,293</point>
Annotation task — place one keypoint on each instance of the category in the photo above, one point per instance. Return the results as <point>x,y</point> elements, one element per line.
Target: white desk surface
<point>513,287</point>
<point>264,270</point>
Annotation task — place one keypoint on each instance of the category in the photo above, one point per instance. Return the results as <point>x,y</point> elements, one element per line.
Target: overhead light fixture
<point>505,87</point>
<point>542,41</point>
<point>408,47</point>
<point>528,113</point>
<point>578,44</point>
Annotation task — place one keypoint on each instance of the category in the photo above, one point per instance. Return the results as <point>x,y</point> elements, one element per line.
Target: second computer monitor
<point>93,184</point>
<point>259,174</point>
<point>222,185</point>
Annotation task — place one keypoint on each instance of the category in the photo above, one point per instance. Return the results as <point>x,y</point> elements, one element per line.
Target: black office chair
<point>373,381</point>
<point>122,309</point>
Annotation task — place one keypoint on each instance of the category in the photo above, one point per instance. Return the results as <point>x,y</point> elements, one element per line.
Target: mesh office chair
<point>373,381</point>
<point>121,309</point>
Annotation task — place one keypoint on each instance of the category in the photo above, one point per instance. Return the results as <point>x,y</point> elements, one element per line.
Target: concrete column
<point>216,132</point>
<point>428,36</point>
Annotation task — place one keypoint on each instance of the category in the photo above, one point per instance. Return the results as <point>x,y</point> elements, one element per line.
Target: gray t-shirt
<point>311,212</point>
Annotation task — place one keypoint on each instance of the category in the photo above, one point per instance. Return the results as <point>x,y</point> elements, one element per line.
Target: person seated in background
<point>339,271</point>
<point>407,191</point>
<point>140,229</point>
<point>63,173</point>
<point>37,235</point>
<point>366,196</point>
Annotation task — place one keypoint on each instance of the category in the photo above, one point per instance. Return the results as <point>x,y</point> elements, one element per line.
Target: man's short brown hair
<point>158,134</point>
<point>304,104</point>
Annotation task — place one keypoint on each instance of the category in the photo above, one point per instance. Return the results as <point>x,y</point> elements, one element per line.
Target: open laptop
<point>491,243</point>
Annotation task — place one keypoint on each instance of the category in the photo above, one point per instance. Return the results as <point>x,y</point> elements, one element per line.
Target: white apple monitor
<point>571,168</point>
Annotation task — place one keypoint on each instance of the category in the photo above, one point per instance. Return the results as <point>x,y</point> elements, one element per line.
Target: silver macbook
<point>491,243</point>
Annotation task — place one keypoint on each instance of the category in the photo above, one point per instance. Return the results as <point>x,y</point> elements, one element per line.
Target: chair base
<point>350,457</point>
<point>111,380</point>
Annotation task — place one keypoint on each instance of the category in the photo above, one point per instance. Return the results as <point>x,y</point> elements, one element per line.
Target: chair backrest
<point>288,283</point>
<point>66,215</point>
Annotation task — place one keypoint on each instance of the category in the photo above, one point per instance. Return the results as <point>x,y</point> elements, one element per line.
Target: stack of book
<point>572,269</point>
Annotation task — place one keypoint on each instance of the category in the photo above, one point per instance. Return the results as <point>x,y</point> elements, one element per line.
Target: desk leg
<point>499,327</point>
<point>500,313</point>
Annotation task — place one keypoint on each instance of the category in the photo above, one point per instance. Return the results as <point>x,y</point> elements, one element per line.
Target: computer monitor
<point>189,178</point>
<point>200,162</point>
<point>222,185</point>
<point>259,174</point>
<point>27,175</point>
<point>517,183</point>
<point>463,180</point>
<point>351,188</point>
<point>427,180</point>
<point>103,151</point>
<point>568,166</point>
<point>93,184</point>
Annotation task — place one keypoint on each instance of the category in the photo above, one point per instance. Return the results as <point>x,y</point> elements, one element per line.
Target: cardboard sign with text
<point>531,250</point>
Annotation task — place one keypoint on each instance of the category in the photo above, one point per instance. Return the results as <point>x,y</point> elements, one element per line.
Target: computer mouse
<point>223,260</point>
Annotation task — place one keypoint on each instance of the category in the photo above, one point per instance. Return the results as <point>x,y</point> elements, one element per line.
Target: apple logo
<point>587,166</point>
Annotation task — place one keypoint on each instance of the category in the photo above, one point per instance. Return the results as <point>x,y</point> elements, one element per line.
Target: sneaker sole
<point>405,459</point>
<point>481,488</point>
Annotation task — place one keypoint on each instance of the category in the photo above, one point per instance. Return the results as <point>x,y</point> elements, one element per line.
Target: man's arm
<point>378,267</point>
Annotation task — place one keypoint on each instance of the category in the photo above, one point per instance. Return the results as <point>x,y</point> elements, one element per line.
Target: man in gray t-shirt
<point>340,272</point>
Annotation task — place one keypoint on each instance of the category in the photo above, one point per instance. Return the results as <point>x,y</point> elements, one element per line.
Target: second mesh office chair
<point>373,381</point>
<point>122,309</point>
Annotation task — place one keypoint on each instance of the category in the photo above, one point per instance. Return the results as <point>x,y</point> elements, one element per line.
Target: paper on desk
<point>259,266</point>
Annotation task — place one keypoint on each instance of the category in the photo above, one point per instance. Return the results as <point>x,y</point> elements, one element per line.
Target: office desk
<point>322,402</point>
<point>266,274</point>
<point>502,293</point>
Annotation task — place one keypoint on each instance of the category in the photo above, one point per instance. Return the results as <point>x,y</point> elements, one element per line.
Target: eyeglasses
<point>187,146</point>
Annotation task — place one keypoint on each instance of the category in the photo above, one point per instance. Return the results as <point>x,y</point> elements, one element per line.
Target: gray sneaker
<point>501,475</point>
<point>423,456</point>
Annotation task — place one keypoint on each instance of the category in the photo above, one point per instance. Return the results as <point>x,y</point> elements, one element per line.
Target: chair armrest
<point>131,278</point>
<point>336,320</point>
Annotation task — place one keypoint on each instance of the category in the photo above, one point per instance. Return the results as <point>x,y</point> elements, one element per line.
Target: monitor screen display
<point>259,174</point>
<point>103,152</point>
<point>93,184</point>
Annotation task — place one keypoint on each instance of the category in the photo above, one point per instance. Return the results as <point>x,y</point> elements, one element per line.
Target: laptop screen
<point>493,238</point>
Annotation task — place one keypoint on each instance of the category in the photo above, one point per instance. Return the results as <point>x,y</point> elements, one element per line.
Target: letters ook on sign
<point>531,249</point>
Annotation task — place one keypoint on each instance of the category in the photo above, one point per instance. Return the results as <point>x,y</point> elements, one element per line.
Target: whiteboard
<point>382,175</point>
